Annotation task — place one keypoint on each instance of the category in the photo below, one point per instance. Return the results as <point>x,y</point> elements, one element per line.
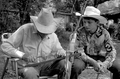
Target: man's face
<point>90,25</point>
<point>41,34</point>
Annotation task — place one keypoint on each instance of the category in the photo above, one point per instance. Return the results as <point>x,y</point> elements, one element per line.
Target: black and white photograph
<point>59,39</point>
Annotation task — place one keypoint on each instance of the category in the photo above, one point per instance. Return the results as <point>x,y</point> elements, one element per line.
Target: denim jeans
<point>79,65</point>
<point>47,69</point>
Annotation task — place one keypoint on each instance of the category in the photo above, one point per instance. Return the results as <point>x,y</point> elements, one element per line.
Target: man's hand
<point>93,62</point>
<point>102,67</point>
<point>61,54</point>
<point>29,57</point>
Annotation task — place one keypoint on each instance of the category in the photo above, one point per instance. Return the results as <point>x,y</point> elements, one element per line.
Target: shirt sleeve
<point>110,49</point>
<point>10,46</point>
<point>57,46</point>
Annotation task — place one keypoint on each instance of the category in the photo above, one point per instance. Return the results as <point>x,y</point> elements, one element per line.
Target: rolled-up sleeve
<point>110,49</point>
<point>10,46</point>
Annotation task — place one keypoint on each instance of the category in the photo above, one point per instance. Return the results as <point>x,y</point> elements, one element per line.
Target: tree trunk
<point>24,12</point>
<point>24,17</point>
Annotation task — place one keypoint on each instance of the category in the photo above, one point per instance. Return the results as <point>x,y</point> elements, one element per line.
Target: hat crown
<point>45,17</point>
<point>93,12</point>
<point>90,10</point>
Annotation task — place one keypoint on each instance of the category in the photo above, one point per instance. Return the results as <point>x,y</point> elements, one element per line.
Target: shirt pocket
<point>45,49</point>
<point>29,49</point>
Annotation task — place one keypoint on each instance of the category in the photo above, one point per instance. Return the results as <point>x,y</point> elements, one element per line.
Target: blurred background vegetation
<point>14,13</point>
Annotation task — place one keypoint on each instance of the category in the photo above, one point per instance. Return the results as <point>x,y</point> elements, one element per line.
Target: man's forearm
<point>110,58</point>
<point>11,51</point>
<point>86,58</point>
<point>91,61</point>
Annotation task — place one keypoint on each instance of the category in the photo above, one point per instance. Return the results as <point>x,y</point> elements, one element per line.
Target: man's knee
<point>62,63</point>
<point>116,64</point>
<point>78,65</point>
<point>115,69</point>
<point>29,73</point>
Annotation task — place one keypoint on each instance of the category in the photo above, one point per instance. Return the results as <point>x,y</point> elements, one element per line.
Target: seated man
<point>95,45</point>
<point>37,42</point>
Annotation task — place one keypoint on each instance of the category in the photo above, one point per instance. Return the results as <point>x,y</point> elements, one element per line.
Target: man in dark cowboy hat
<point>37,42</point>
<point>95,45</point>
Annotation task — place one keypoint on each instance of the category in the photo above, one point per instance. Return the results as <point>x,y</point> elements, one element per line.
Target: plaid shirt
<point>98,43</point>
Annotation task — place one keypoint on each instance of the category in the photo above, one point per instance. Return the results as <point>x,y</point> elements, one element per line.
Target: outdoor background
<point>14,13</point>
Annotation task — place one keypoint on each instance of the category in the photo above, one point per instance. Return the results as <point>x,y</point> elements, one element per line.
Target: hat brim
<point>101,19</point>
<point>45,29</point>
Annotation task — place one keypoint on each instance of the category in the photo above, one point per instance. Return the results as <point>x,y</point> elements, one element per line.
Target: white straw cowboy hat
<point>93,12</point>
<point>45,22</point>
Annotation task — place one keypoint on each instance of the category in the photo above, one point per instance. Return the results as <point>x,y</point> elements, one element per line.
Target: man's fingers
<point>31,58</point>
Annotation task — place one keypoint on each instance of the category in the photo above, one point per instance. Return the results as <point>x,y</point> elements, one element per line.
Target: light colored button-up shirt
<point>26,40</point>
<point>98,43</point>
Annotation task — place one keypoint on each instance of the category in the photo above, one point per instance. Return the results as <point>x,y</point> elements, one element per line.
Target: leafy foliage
<point>14,13</point>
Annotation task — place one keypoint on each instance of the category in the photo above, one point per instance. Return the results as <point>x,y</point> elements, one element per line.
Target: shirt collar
<point>47,37</point>
<point>99,31</point>
<point>34,29</point>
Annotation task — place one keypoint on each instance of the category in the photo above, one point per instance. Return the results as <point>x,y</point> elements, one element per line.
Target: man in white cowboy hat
<point>95,45</point>
<point>37,42</point>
